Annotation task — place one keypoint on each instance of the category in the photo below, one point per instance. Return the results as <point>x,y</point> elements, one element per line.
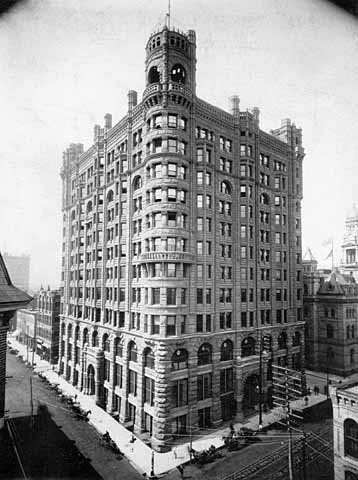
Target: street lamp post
<point>260,385</point>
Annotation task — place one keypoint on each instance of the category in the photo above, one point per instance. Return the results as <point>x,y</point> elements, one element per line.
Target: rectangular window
<point>199,323</point>
<point>204,383</point>
<point>171,325</point>
<point>132,386</point>
<point>171,296</point>
<point>180,393</point>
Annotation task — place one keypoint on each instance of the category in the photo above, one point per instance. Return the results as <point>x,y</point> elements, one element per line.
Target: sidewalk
<point>138,453</point>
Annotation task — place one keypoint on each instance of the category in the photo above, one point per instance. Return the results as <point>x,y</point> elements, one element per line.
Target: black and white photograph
<point>179,240</point>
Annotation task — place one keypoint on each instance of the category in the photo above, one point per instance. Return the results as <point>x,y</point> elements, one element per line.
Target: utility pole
<point>31,401</point>
<point>27,344</point>
<point>190,436</point>
<point>260,385</point>
<point>34,341</point>
<point>304,456</point>
<point>290,470</point>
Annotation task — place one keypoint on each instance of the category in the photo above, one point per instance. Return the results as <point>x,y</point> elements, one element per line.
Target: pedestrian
<point>175,454</point>
<point>306,400</point>
<point>181,470</point>
<point>316,390</point>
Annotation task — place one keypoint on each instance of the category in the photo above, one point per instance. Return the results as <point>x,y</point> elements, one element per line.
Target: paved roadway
<point>319,466</point>
<point>105,463</point>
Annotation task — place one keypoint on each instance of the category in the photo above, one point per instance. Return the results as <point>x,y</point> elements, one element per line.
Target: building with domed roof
<point>349,263</point>
<point>181,249</point>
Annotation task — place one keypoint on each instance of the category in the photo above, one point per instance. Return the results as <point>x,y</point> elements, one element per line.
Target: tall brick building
<point>181,247</point>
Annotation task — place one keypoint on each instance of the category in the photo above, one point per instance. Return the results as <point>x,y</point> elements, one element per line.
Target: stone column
<point>216,416</point>
<point>98,379</point>
<point>161,433</point>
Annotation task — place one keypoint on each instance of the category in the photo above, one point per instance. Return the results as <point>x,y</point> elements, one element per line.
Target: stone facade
<point>181,248</point>
<point>48,324</point>
<point>330,312</point>
<point>345,430</point>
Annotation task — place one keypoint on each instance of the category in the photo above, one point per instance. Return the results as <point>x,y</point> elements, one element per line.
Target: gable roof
<point>11,297</point>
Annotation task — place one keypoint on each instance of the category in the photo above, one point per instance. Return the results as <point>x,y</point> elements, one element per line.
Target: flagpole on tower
<point>168,15</point>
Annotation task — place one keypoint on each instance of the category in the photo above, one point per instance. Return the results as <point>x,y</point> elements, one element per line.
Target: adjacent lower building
<point>48,324</point>
<point>26,329</point>
<point>345,430</point>
<point>38,327</point>
<point>330,313</point>
<point>181,250</point>
<point>11,298</point>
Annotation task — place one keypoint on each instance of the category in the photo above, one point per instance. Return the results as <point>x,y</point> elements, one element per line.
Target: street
<point>64,433</point>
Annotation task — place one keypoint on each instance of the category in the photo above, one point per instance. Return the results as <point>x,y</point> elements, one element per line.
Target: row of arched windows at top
<point>180,356</point>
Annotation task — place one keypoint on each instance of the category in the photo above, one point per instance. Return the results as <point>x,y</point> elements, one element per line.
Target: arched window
<point>95,339</point>
<point>264,199</point>
<point>149,358</point>
<point>106,343</point>
<point>153,75</point>
<point>110,196</point>
<point>351,438</point>
<point>205,354</point>
<point>282,341</point>
<point>132,352</point>
<point>137,183</point>
<point>178,73</point>
<point>69,331</point>
<point>227,351</point>
<point>180,359</point>
<point>89,207</point>
<point>85,336</point>
<point>118,348</point>
<point>225,188</point>
<point>248,347</point>
<point>296,339</point>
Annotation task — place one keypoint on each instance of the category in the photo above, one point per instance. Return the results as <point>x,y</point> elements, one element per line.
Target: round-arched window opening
<point>178,73</point>
<point>153,75</point>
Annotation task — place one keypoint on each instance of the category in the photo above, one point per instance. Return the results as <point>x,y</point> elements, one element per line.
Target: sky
<point>65,63</point>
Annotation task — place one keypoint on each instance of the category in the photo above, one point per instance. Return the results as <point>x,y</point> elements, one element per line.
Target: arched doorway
<point>251,392</point>
<point>90,380</point>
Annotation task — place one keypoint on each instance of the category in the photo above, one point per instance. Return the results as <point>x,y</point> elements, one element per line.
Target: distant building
<point>47,328</point>
<point>38,328</point>
<point>19,270</point>
<point>26,327</point>
<point>345,431</point>
<point>11,298</point>
<point>349,262</point>
<point>330,311</point>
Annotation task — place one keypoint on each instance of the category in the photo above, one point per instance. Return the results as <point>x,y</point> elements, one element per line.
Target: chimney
<point>256,114</point>
<point>132,99</point>
<point>108,121</point>
<point>235,106</point>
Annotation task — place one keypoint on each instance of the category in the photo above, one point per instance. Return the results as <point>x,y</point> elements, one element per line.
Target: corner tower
<point>170,68</point>
<point>350,244</point>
